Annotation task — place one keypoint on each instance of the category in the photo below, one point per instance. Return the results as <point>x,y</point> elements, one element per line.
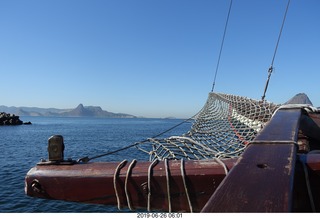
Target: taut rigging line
<point>270,70</point>
<point>221,47</point>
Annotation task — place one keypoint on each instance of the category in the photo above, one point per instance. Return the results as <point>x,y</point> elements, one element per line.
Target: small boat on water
<point>276,170</point>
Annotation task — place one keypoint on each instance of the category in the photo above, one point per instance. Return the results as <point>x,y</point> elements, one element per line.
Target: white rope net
<point>222,129</point>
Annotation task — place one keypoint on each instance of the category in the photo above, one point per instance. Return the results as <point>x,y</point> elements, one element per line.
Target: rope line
<point>225,168</point>
<point>210,136</point>
<point>270,70</point>
<point>223,129</point>
<point>133,162</point>
<point>152,165</point>
<point>115,176</point>
<point>221,47</point>
<point>306,175</point>
<point>87,159</point>
<point>282,25</point>
<point>183,175</point>
<point>166,165</point>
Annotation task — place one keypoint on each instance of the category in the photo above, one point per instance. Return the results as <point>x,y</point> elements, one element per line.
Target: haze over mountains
<point>79,111</point>
<point>97,111</point>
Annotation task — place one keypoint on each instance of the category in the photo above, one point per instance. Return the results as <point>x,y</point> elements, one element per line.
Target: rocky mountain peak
<point>300,98</point>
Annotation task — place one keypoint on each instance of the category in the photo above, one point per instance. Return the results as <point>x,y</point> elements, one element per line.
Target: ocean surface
<point>21,147</point>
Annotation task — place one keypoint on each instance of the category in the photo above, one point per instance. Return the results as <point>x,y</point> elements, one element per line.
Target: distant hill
<point>79,111</point>
<point>300,98</point>
<point>93,111</point>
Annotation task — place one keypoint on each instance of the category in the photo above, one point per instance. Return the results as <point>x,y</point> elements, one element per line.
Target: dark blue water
<point>21,147</point>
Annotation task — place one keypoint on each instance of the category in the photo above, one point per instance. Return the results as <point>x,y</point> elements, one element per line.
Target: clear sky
<point>154,58</point>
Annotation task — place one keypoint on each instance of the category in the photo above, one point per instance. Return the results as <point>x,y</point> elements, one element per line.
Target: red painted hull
<point>94,183</point>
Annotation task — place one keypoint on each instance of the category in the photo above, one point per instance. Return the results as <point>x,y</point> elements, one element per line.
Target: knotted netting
<point>222,129</point>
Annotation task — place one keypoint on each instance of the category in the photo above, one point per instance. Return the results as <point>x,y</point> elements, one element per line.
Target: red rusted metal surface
<point>93,183</point>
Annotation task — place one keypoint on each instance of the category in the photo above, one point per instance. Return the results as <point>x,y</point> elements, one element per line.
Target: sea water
<point>21,147</point>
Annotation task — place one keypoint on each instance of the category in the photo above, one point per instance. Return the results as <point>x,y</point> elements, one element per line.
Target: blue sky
<point>154,58</point>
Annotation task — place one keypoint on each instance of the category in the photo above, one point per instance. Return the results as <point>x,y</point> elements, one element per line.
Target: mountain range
<point>79,111</point>
<point>97,111</point>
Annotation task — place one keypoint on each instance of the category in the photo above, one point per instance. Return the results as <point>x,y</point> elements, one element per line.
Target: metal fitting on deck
<point>56,152</point>
<point>56,148</point>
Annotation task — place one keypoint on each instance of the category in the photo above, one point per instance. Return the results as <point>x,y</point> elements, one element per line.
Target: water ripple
<point>22,147</point>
